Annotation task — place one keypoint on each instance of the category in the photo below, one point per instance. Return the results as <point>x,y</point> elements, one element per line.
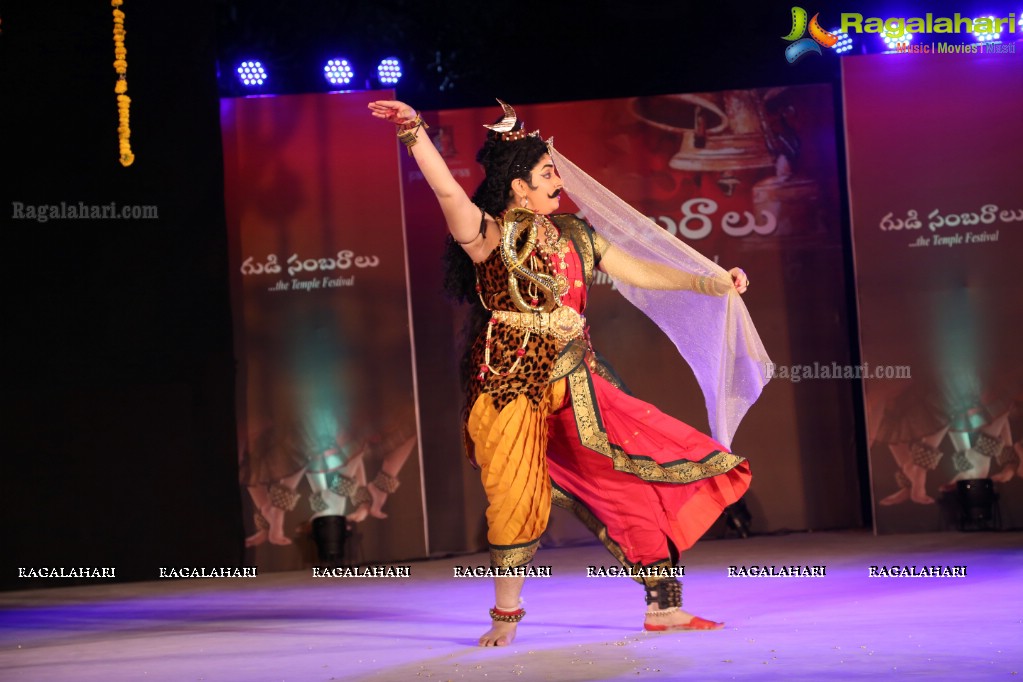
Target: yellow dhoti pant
<point>511,451</point>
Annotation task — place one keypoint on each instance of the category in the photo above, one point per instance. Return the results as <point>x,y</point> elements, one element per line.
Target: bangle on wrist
<point>408,132</point>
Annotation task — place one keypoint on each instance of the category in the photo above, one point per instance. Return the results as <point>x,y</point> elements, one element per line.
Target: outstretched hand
<point>393,111</point>
<point>740,280</point>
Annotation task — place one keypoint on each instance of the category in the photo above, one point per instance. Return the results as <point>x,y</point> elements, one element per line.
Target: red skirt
<point>660,479</point>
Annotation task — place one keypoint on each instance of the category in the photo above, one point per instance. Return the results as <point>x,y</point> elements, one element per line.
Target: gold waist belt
<point>564,323</point>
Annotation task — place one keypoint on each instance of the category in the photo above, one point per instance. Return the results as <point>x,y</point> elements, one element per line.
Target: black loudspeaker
<point>977,504</point>
<point>330,534</point>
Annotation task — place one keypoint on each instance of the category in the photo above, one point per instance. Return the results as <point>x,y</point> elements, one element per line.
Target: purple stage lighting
<point>251,73</point>
<point>987,36</point>
<point>893,43</point>
<point>338,72</point>
<point>389,71</point>
<point>844,43</point>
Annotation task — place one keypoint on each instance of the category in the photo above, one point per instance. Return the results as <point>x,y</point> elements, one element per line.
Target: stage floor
<point>294,627</point>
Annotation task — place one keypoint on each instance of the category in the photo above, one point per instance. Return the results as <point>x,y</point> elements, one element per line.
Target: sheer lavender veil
<point>714,334</point>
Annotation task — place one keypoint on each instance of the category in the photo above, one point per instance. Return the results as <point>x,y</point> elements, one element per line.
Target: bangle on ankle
<point>507,616</point>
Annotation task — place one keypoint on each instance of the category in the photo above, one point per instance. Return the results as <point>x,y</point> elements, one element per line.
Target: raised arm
<point>648,275</point>
<point>462,216</point>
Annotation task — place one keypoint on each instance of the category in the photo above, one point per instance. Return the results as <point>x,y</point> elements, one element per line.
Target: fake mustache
<point>555,194</point>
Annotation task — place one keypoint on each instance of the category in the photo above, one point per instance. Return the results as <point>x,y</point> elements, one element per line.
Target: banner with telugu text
<point>327,422</point>
<point>935,154</point>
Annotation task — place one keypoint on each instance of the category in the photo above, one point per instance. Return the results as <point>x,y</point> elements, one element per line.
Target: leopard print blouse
<point>545,359</point>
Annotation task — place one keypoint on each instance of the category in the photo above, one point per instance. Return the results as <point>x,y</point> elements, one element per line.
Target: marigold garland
<point>121,87</point>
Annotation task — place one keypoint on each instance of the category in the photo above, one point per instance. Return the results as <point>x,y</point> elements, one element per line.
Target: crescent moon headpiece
<point>505,127</point>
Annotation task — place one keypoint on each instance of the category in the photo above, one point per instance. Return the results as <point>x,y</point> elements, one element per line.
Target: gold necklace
<point>553,248</point>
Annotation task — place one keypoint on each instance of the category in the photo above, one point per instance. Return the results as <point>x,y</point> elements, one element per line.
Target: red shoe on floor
<point>696,623</point>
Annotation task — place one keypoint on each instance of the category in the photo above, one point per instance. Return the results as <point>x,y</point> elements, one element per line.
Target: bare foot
<point>951,485</point>
<point>917,476</point>
<point>895,498</point>
<point>499,634</point>
<point>1012,468</point>
<point>1004,475</point>
<point>677,619</point>
<point>379,497</point>
<point>359,514</point>
<point>257,538</point>
<point>275,515</point>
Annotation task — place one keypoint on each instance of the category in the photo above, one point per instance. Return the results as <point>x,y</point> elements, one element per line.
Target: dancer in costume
<point>546,419</point>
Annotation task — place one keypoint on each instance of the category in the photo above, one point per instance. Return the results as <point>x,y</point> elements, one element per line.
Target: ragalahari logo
<point>801,46</point>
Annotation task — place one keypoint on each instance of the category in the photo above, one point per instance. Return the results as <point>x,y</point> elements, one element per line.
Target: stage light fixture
<point>844,43</point>
<point>338,72</point>
<point>987,36</point>
<point>893,43</point>
<point>251,73</point>
<point>389,71</point>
